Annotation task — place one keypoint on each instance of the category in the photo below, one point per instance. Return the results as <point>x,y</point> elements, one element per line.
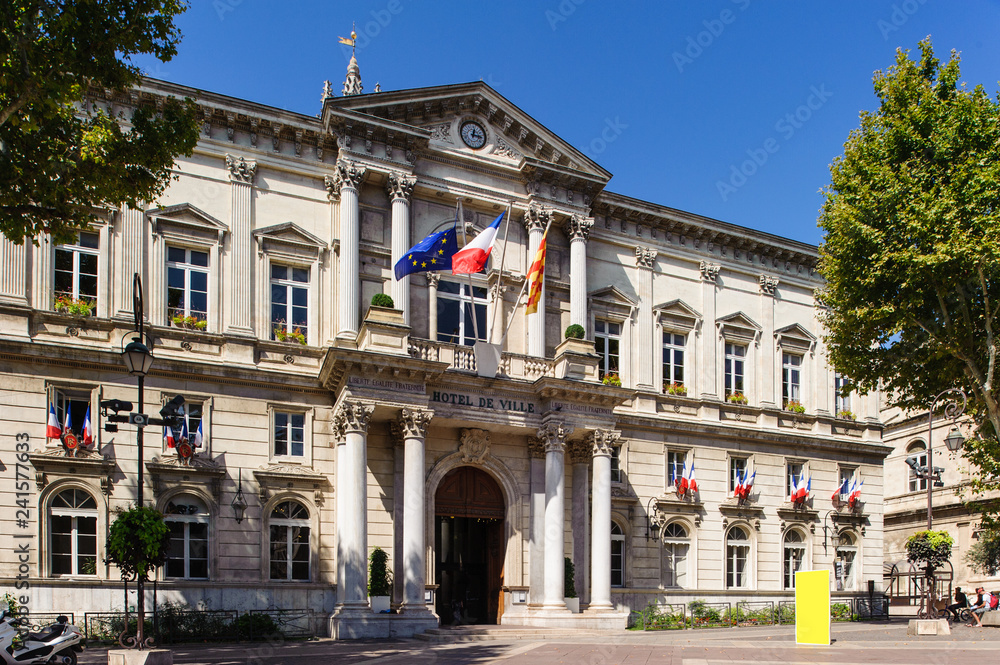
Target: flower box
<point>737,398</point>
<point>292,336</point>
<point>188,322</point>
<point>74,306</point>
<point>677,389</point>
<point>612,380</point>
<point>794,406</point>
<point>846,415</point>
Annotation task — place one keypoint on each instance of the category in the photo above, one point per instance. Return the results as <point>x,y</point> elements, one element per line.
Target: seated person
<point>979,608</point>
<point>960,602</point>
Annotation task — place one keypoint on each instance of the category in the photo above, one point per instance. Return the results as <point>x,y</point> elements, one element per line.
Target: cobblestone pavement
<point>854,644</point>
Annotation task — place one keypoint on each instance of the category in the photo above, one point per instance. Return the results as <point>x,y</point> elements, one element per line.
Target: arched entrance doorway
<point>469,547</point>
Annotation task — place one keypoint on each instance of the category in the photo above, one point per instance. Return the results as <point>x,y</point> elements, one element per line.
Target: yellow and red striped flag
<point>536,273</point>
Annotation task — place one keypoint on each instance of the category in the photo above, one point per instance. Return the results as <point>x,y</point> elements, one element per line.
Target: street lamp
<point>239,503</point>
<point>954,441</point>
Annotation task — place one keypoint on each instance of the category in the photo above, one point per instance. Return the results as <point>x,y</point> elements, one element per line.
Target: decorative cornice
<point>767,284</point>
<point>475,445</point>
<point>535,218</point>
<point>578,227</point>
<point>536,449</point>
<point>240,170</point>
<point>553,436</point>
<point>709,271</point>
<point>352,417</point>
<point>400,186</point>
<point>349,174</point>
<point>645,257</point>
<point>602,441</point>
<point>413,423</point>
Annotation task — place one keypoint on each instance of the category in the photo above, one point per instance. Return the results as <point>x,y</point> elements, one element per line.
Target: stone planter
<point>384,331</point>
<point>575,359</point>
<point>573,605</point>
<point>384,315</point>
<point>379,603</point>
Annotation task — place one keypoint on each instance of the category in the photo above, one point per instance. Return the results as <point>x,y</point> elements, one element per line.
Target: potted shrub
<point>575,331</point>
<point>612,379</point>
<point>933,549</point>
<point>569,583</point>
<point>736,398</point>
<point>74,307</point>
<point>794,406</point>
<point>678,389</point>
<point>189,322</point>
<point>382,300</point>
<point>379,580</point>
<point>283,334</point>
<point>138,541</point>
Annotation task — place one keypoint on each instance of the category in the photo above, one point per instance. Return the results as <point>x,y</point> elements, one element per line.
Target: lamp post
<point>954,441</point>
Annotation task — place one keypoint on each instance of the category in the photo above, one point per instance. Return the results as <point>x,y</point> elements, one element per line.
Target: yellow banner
<point>812,607</point>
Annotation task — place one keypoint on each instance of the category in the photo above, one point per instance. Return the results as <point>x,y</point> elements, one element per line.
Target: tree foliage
<point>911,253</point>
<point>138,541</point>
<point>984,555</point>
<point>931,547</point>
<point>62,155</point>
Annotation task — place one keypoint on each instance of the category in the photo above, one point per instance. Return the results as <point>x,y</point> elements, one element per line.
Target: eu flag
<point>431,254</point>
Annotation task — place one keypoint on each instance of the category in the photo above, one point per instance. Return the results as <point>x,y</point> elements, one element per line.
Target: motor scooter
<point>57,643</point>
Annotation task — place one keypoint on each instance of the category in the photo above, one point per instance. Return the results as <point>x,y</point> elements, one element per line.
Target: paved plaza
<point>854,644</point>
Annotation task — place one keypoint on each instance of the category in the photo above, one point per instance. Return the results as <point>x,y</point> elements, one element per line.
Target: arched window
<point>289,537</point>
<point>847,553</point>
<point>676,545</point>
<point>916,451</point>
<point>617,555</point>
<point>737,558</point>
<point>794,554</point>
<point>73,533</point>
<point>187,519</point>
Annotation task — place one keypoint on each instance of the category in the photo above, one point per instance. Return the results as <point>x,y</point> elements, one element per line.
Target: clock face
<point>473,135</point>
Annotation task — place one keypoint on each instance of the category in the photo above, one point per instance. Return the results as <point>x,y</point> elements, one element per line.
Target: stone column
<point>351,422</point>
<point>578,230</point>
<point>331,276</point>
<point>645,261</point>
<point>413,426</point>
<point>432,304</point>
<point>13,272</point>
<point>349,176</point>
<point>708,378</point>
<point>554,436</point>
<point>579,454</point>
<point>535,219</point>
<point>602,441</point>
<point>131,248</point>
<point>240,274</point>
<point>770,361</point>
<point>400,187</point>
<point>536,546</point>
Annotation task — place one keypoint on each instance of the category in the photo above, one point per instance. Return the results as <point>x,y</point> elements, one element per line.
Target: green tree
<point>138,541</point>
<point>911,254</point>
<point>62,156</point>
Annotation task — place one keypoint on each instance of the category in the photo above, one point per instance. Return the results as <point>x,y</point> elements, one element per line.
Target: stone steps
<point>491,634</point>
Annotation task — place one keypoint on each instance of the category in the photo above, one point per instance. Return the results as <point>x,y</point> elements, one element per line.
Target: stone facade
<point>347,440</point>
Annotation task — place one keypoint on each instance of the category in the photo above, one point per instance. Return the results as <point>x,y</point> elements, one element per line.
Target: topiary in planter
<point>382,300</point>
<point>570,579</point>
<point>138,541</point>
<point>575,331</point>
<point>932,547</point>
<point>379,577</point>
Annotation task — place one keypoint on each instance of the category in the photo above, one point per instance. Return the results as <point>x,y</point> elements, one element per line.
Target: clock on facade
<point>473,135</point>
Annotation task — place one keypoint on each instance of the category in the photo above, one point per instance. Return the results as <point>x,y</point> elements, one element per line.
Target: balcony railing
<point>463,358</point>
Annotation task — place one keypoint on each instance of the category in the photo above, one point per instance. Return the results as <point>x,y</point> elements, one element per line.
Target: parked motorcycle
<point>56,643</point>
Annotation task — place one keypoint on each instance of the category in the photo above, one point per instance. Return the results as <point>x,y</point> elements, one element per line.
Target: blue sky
<point>692,90</point>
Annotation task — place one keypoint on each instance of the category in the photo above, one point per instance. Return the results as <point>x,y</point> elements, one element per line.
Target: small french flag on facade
<point>52,428</point>
<point>199,436</point>
<point>87,435</point>
<point>168,436</point>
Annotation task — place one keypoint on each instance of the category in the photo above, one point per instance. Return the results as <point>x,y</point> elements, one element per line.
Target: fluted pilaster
<point>240,277</point>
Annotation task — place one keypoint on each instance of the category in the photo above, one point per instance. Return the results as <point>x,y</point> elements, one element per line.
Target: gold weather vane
<point>350,42</point>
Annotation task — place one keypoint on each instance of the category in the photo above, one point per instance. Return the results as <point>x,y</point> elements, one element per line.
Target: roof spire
<point>352,85</point>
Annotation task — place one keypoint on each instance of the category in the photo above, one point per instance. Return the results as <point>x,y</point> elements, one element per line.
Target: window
<point>75,404</point>
<point>791,378</point>
<point>187,285</point>
<point>616,464</point>
<point>737,558</point>
<point>842,394</point>
<point>454,311</point>
<point>673,359</point>
<point>794,554</point>
<point>192,427</point>
<point>916,451</point>
<point>73,533</point>
<point>793,474</point>
<point>187,556</point>
<point>607,340</point>
<point>76,269</point>
<point>675,555</point>
<point>289,434</point>
<point>617,555</point>
<point>289,538</point>
<point>289,303</point>
<point>847,552</point>
<point>735,359</point>
<point>846,473</point>
<point>675,466</point>
<point>737,469</point>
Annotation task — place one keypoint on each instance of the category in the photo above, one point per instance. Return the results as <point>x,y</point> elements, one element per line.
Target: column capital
<point>578,227</point>
<point>535,218</point>
<point>767,284</point>
<point>240,170</point>
<point>709,271</point>
<point>413,422</point>
<point>553,436</point>
<point>602,441</point>
<point>352,417</point>
<point>400,186</point>
<point>536,448</point>
<point>579,451</point>
<point>349,174</point>
<point>645,257</point>
<point>433,278</point>
<point>332,188</point>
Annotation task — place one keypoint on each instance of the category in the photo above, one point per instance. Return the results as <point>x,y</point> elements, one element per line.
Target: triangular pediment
<point>189,216</point>
<point>289,233</point>
<point>611,303</point>
<point>677,314</point>
<point>794,337</point>
<point>738,326</point>
<point>612,294</point>
<point>513,136</point>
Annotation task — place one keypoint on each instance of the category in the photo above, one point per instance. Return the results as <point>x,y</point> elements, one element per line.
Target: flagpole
<point>524,286</point>
<point>472,297</point>
<point>503,254</point>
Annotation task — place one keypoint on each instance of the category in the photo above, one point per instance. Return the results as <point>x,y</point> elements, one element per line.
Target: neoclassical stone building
<point>346,428</point>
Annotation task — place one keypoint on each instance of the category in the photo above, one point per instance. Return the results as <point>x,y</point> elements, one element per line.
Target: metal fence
<point>754,613</point>
<point>710,615</point>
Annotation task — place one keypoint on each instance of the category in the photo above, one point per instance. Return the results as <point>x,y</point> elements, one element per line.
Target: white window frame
<point>731,469</point>
<point>618,464</point>
<point>670,545</point>
<point>729,368</point>
<point>206,403</point>
<point>187,267</point>
<point>849,581</point>
<point>803,470</point>
<point>669,364</point>
<point>604,364</point>
<point>679,455</point>
<point>289,524</point>
<point>734,578</point>
<point>74,514</point>
<point>791,378</point>
<point>306,457</point>
<point>916,450</point>
<point>841,402</point>
<point>187,520</point>
<point>619,538</point>
<point>463,301</point>
<point>290,284</point>
<point>77,250</point>
<point>800,546</point>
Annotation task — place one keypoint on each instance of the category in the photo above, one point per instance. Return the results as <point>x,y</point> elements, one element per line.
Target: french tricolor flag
<point>473,257</point>
<point>841,491</point>
<point>199,436</point>
<point>692,483</point>
<point>168,436</point>
<point>855,492</point>
<point>87,435</point>
<point>682,482</point>
<point>52,428</point>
